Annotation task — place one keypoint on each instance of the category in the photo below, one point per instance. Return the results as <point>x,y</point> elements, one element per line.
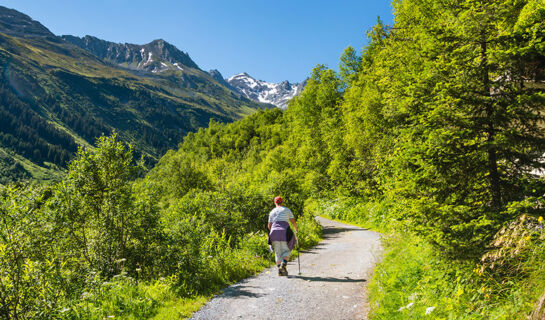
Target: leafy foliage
<point>80,249</point>
<point>434,132</point>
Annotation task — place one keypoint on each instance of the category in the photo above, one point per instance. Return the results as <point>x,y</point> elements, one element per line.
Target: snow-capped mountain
<point>159,56</point>
<point>156,56</point>
<point>278,94</point>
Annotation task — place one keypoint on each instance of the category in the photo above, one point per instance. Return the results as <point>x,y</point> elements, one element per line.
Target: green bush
<point>32,273</point>
<point>255,244</point>
<point>120,297</point>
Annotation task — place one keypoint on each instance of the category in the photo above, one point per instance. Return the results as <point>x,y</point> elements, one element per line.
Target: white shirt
<point>280,214</point>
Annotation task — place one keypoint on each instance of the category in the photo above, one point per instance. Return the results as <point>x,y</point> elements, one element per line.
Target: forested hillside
<point>55,96</point>
<point>433,135</point>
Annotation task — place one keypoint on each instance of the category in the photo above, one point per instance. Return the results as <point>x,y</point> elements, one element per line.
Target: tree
<point>104,220</point>
<point>446,108</point>
<point>349,66</point>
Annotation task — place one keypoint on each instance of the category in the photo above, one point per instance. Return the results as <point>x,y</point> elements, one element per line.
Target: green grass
<point>48,172</point>
<point>180,308</point>
<point>413,281</point>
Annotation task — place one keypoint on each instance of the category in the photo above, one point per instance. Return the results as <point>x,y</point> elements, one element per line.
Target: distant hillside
<point>56,96</point>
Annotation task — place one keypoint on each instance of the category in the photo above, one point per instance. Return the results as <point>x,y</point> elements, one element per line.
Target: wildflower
<point>429,310</point>
<point>540,219</point>
<point>405,307</point>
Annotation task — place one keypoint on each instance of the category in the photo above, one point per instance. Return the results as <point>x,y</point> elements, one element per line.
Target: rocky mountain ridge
<point>156,56</point>
<point>278,94</point>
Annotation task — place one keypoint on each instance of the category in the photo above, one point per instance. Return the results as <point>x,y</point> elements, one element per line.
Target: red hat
<point>278,200</point>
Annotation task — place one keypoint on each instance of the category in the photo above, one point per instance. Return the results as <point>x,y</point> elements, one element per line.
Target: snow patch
<point>150,60</point>
<point>178,66</point>
<point>240,75</point>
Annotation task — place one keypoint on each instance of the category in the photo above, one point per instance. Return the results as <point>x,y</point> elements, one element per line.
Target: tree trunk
<point>493,174</point>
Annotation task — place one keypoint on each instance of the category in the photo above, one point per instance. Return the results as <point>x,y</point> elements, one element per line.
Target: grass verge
<point>414,281</point>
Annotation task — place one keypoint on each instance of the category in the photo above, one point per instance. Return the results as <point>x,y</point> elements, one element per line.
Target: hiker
<point>281,237</point>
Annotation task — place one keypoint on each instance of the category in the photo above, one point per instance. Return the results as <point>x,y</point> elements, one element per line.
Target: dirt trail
<point>332,284</point>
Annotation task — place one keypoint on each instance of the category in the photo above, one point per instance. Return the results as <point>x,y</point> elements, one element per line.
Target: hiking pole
<point>298,257</point>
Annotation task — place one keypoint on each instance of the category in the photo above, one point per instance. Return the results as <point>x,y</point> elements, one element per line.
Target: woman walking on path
<point>281,238</point>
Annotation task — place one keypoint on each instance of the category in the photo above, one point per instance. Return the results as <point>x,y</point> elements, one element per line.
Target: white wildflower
<point>405,307</point>
<point>429,310</point>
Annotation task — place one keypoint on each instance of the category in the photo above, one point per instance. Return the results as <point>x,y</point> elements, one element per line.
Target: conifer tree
<point>451,95</point>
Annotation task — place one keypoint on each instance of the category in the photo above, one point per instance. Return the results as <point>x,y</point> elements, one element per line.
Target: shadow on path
<point>328,279</point>
<point>314,250</point>
<point>330,231</point>
<point>240,292</point>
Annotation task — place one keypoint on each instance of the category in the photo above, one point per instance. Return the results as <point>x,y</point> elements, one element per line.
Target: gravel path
<point>331,285</point>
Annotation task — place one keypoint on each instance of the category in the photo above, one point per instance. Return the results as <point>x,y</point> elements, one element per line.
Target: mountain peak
<point>156,56</point>
<point>15,23</point>
<point>219,78</point>
<point>240,75</point>
<point>217,75</point>
<point>278,94</point>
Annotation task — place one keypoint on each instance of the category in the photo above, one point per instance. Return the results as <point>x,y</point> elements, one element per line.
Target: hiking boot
<point>282,270</point>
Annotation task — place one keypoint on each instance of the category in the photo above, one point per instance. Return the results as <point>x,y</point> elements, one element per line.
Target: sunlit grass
<point>180,308</point>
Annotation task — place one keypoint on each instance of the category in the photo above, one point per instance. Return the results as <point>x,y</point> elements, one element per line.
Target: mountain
<point>219,78</point>
<point>60,93</point>
<point>278,94</point>
<point>15,23</point>
<point>156,56</point>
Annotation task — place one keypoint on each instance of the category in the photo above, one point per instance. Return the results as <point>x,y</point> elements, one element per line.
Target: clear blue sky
<point>271,40</point>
